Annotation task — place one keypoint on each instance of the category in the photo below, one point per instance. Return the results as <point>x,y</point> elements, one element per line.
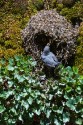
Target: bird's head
<point>46,50</point>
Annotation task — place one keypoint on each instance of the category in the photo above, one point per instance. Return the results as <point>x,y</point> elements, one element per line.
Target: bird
<point>49,58</point>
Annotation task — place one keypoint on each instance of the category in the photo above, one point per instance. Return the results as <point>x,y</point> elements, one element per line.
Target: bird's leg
<point>52,74</point>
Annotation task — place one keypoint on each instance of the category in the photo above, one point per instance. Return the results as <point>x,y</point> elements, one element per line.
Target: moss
<point>38,4</point>
<point>9,53</point>
<point>13,17</point>
<point>53,4</point>
<point>1,52</point>
<point>74,13</point>
<point>79,50</point>
<point>59,7</point>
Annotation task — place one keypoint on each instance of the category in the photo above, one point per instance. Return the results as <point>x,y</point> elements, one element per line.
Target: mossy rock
<point>48,26</point>
<point>79,50</point>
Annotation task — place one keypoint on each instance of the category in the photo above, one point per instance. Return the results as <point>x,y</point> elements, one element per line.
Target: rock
<point>47,26</point>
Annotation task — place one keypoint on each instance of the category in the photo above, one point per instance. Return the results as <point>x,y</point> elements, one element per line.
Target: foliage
<point>79,50</point>
<point>26,100</point>
<point>74,13</point>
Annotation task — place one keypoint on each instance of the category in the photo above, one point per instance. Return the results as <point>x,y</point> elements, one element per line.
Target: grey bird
<point>49,58</point>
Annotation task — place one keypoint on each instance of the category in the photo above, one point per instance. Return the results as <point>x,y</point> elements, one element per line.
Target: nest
<point>47,26</point>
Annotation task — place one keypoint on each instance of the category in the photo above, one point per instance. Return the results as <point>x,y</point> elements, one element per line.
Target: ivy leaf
<point>48,113</point>
<point>42,108</point>
<point>79,121</point>
<point>10,83</point>
<point>37,112</point>
<point>11,121</point>
<point>60,110</point>
<point>66,117</point>
<point>2,61</point>
<point>5,95</point>
<point>26,105</point>
<point>68,68</point>
<point>17,57</point>
<point>20,118</point>
<point>50,97</point>
<point>34,63</point>
<point>1,80</point>
<point>43,96</point>
<point>30,100</point>
<point>13,110</point>
<point>31,115</point>
<point>20,78</point>
<point>70,103</point>
<point>56,122</point>
<point>11,61</point>
<point>10,68</point>
<point>2,108</point>
<point>75,70</point>
<point>9,93</point>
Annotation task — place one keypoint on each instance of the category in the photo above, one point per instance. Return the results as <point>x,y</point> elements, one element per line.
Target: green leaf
<point>11,121</point>
<point>17,97</point>
<point>2,61</point>
<point>34,63</point>
<point>17,57</point>
<point>25,104</point>
<point>13,110</point>
<point>1,80</point>
<point>56,122</point>
<point>79,121</point>
<point>11,61</point>
<point>43,96</point>
<point>5,95</point>
<point>2,108</point>
<point>75,70</point>
<point>66,96</point>
<point>55,108</point>
<point>10,83</point>
<point>31,115</point>
<point>10,68</point>
<point>48,113</point>
<point>50,97</point>
<point>68,68</point>
<point>37,112</point>
<point>42,108</point>
<point>79,90</point>
<point>66,117</point>
<point>70,103</point>
<point>60,110</point>
<point>78,99</point>
<point>30,100</point>
<point>20,78</point>
<point>20,118</point>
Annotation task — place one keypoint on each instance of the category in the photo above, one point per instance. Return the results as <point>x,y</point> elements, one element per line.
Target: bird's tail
<point>58,63</point>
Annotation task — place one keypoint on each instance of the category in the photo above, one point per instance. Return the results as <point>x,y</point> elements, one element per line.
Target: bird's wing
<point>49,62</point>
<point>54,57</point>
